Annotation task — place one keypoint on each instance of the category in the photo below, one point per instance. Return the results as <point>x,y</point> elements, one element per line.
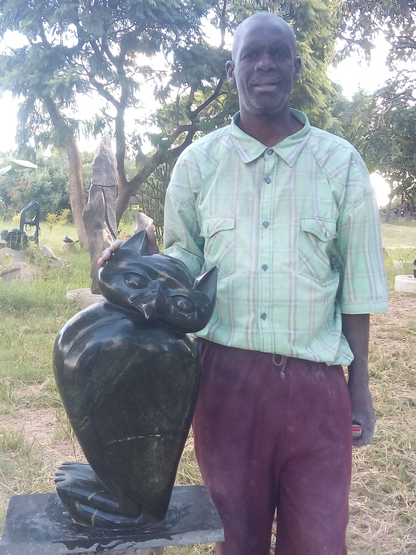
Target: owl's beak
<point>153,307</point>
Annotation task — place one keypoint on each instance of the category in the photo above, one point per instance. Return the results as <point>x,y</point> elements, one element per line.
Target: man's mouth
<point>265,86</point>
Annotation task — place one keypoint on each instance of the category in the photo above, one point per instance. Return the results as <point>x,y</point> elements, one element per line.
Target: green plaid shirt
<point>294,231</point>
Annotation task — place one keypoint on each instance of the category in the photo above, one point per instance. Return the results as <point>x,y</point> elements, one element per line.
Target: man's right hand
<point>152,246</point>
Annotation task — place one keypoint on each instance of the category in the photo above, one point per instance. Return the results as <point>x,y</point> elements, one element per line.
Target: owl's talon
<point>86,498</point>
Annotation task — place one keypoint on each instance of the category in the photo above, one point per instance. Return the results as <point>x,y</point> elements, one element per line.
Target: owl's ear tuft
<point>207,283</point>
<point>138,242</point>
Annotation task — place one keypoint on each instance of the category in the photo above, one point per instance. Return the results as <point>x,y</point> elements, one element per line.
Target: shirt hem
<point>364,308</point>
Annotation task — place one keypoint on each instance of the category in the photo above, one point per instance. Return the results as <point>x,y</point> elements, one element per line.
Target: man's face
<point>264,67</point>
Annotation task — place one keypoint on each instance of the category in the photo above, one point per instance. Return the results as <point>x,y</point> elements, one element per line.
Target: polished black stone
<point>128,378</point>
<point>39,524</point>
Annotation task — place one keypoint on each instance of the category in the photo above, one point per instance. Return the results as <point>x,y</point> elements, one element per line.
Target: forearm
<point>182,238</point>
<point>356,328</point>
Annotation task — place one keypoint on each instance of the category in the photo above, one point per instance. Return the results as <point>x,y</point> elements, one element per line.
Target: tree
<point>151,196</point>
<point>382,125</point>
<point>363,21</point>
<point>106,48</point>
<point>385,134</point>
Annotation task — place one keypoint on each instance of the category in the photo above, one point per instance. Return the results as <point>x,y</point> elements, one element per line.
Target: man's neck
<point>270,129</point>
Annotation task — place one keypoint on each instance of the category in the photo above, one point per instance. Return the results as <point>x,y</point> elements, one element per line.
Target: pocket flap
<point>325,230</point>
<point>211,226</point>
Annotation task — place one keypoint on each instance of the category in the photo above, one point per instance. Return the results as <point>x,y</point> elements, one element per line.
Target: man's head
<point>264,64</point>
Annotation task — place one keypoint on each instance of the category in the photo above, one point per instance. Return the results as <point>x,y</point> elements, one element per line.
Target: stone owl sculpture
<point>128,377</point>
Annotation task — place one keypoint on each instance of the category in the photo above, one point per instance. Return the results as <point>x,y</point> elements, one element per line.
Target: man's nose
<point>265,63</point>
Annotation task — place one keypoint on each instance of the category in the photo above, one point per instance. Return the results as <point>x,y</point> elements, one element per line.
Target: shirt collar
<point>250,149</point>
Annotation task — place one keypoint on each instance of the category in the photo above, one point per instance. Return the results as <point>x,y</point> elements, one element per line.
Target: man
<point>287,214</point>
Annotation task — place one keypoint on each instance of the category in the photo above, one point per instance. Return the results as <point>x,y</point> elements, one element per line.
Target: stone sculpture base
<point>38,524</point>
<point>83,297</point>
<point>405,284</point>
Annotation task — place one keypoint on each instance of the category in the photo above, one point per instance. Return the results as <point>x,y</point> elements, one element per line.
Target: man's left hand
<point>362,412</point>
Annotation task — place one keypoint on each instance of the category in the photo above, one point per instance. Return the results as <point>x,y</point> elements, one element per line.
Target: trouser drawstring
<point>281,364</point>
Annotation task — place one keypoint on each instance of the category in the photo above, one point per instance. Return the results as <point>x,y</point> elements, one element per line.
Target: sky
<point>352,74</point>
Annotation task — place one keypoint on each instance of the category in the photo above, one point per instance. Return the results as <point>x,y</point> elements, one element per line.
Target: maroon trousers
<point>274,432</point>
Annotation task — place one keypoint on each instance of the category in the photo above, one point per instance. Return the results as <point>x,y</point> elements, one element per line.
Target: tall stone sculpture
<point>100,211</point>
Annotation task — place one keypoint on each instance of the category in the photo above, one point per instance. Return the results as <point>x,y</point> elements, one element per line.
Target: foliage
<point>47,184</point>
<point>363,20</point>
<point>152,197</point>
<point>111,50</point>
<point>383,125</point>
<point>384,132</point>
<point>57,220</point>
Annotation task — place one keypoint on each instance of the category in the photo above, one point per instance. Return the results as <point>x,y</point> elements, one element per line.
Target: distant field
<point>399,236</point>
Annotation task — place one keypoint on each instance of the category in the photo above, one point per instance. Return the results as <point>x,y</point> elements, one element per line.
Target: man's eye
<point>282,53</point>
<point>250,54</point>
<point>135,281</point>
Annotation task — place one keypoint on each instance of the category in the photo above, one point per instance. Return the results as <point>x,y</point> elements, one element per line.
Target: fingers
<point>367,434</point>
<point>365,439</point>
<point>152,246</point>
<point>109,251</point>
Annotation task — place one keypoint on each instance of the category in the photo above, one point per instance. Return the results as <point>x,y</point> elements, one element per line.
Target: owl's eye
<point>135,281</point>
<point>183,304</point>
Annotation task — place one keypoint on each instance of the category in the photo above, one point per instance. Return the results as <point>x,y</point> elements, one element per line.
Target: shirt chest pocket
<point>316,237</point>
<point>219,249</point>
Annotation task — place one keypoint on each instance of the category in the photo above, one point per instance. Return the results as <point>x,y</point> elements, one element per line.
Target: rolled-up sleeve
<point>363,286</point>
<point>181,228</point>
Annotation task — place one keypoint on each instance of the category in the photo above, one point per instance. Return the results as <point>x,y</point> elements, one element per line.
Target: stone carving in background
<point>100,211</point>
<point>142,222</point>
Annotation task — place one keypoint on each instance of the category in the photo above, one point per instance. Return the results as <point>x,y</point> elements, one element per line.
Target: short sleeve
<point>363,286</point>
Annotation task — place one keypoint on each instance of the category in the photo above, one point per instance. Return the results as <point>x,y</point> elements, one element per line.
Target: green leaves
<point>113,49</point>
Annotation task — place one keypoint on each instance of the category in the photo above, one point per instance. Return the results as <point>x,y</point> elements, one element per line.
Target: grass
<point>399,242</point>
<point>383,494</point>
<point>35,436</point>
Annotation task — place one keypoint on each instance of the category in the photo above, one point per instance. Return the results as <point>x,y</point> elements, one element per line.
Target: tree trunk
<point>76,187</point>
<point>388,210</point>
<point>390,200</point>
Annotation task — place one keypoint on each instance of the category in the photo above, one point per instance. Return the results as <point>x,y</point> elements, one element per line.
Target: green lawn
<point>35,436</point>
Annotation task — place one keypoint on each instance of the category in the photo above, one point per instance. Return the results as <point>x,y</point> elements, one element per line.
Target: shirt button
<point>264,267</point>
<point>263,316</point>
<point>268,180</point>
<point>270,151</point>
<point>266,224</point>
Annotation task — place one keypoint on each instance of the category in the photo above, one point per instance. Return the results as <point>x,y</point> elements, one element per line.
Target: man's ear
<point>229,68</point>
<point>297,67</point>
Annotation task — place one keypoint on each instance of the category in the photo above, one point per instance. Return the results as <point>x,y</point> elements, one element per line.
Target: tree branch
<point>208,101</point>
<point>159,157</point>
<point>121,137</point>
<point>164,153</point>
<point>223,24</point>
<point>103,91</point>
